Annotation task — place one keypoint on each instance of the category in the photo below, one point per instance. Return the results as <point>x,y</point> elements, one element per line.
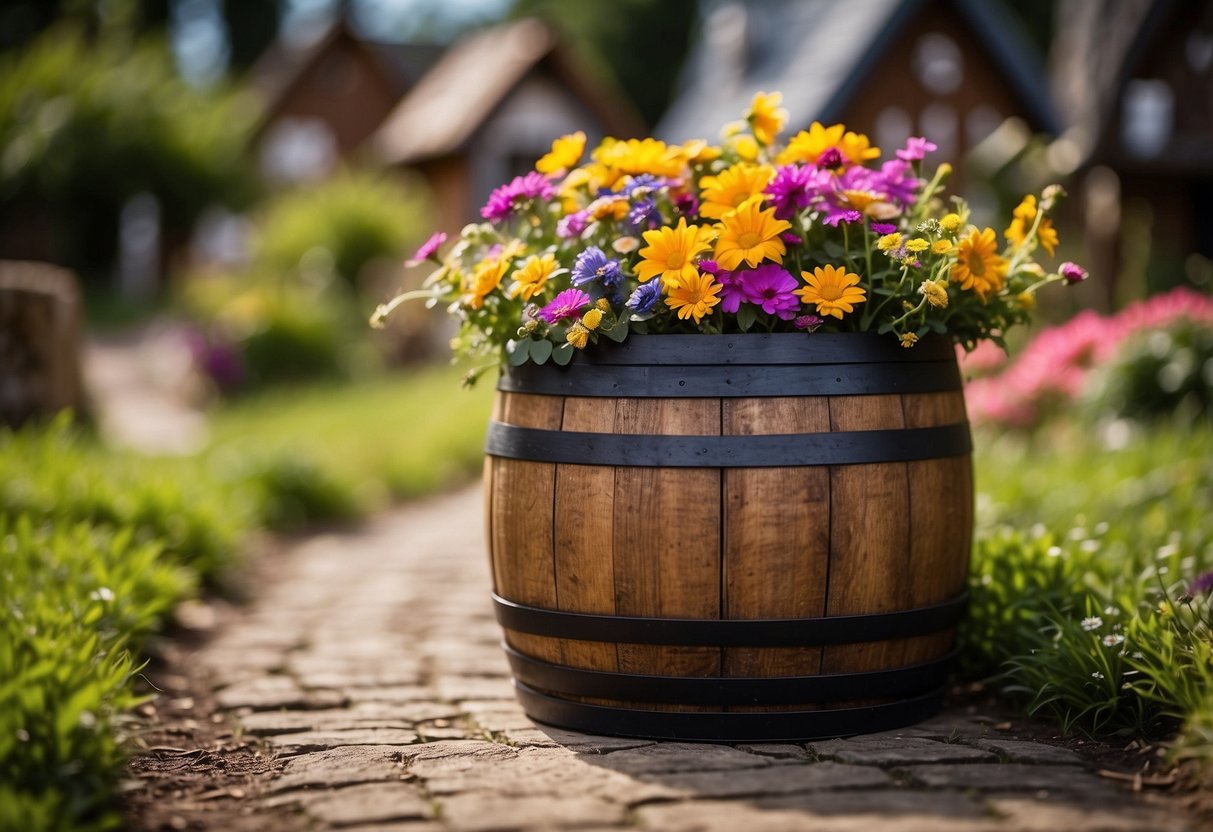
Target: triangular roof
<point>817,52</point>
<point>275,75</point>
<point>442,112</point>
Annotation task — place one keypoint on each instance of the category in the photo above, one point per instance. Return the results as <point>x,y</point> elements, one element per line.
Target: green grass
<point>97,546</point>
<point>392,437</point>
<point>1083,558</point>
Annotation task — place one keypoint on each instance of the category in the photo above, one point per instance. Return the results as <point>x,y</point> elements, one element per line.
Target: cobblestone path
<point>373,670</point>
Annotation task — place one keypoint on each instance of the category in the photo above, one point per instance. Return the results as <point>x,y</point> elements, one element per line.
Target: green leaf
<point>747,313</point>
<point>517,352</point>
<point>541,351</point>
<point>618,332</point>
<point>833,249</point>
<point>885,327</point>
<point>563,354</point>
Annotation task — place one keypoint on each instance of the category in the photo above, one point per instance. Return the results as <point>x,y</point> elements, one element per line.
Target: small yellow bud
<point>909,339</point>
<point>917,244</point>
<point>889,242</point>
<point>945,169</point>
<point>578,336</point>
<point>746,147</point>
<point>590,320</point>
<point>941,247</point>
<point>604,304</point>
<point>1026,300</point>
<point>950,222</point>
<point>935,293</point>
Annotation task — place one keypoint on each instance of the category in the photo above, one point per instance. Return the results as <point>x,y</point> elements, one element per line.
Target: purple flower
<point>502,201</point>
<point>916,148</point>
<point>567,304</point>
<point>709,266</point>
<point>686,204</point>
<point>644,183</point>
<point>790,190</point>
<point>883,228</point>
<point>1073,273</point>
<point>593,265</point>
<point>790,238</point>
<point>645,297</point>
<point>808,323</point>
<point>831,158</point>
<point>772,288</point>
<point>1201,584</point>
<point>733,292</point>
<point>847,215</point>
<point>428,249</point>
<point>896,181</point>
<point>572,225</point>
<point>644,215</point>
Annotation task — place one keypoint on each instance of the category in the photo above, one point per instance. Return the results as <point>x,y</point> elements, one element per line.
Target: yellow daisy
<point>485,278</point>
<point>671,252</point>
<point>832,289</point>
<point>978,265</point>
<point>809,145</point>
<point>530,279</point>
<point>750,235</point>
<point>694,298</point>
<point>731,187</point>
<point>1022,219</point>
<point>636,156</point>
<point>566,151</point>
<point>766,117</point>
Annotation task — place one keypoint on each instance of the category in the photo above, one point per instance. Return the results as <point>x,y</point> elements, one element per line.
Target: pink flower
<point>772,288</point>
<point>567,304</point>
<point>504,199</point>
<point>916,148</point>
<point>428,249</point>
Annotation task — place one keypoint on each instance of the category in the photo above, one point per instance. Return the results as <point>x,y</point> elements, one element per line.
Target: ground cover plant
<point>1091,578</point>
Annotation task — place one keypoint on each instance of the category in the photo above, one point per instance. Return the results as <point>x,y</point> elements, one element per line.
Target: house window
<point>298,150</point>
<point>938,63</point>
<point>1149,112</point>
<point>893,126</point>
<point>939,123</point>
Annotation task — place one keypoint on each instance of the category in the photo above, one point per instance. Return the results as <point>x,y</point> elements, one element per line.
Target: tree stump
<point>40,323</point>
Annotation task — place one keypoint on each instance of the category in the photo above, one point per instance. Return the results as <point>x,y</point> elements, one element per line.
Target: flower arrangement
<point>748,235</point>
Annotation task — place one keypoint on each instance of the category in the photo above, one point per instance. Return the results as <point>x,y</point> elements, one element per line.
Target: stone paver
<point>371,665</point>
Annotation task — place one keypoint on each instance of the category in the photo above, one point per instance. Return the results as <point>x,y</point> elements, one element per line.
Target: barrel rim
<point>765,348</point>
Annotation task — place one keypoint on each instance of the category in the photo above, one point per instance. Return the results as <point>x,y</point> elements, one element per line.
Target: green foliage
<point>339,226</point>
<point>1083,556</point>
<point>85,125</point>
<point>1160,373</point>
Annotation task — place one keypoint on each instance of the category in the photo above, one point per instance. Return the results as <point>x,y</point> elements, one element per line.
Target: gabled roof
<point>282,66</point>
<point>461,91</point>
<point>818,52</point>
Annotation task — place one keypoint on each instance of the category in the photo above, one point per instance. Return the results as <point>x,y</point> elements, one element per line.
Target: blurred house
<point>956,71</point>
<point>324,98</point>
<point>1135,80</point>
<point>490,107</point>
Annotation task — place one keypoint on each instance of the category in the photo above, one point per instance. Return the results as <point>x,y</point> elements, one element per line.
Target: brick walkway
<point>372,668</point>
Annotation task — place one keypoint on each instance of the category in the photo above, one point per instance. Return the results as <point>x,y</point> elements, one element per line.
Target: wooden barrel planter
<point>731,538</point>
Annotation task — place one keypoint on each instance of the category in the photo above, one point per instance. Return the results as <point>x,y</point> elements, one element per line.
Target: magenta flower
<point>571,226</point>
<point>790,238</point>
<point>1201,584</point>
<point>831,159</point>
<point>504,199</point>
<point>428,249</point>
<point>1073,273</point>
<point>883,228</point>
<point>916,148</point>
<point>808,323</point>
<point>567,304</point>
<point>791,190</point>
<point>847,215</point>
<point>733,292</point>
<point>772,288</point>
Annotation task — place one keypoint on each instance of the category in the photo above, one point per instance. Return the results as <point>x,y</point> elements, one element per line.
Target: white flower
<point>1113,640</point>
<point>102,594</point>
<point>1092,623</point>
<point>1054,552</point>
<point>1096,675</point>
<point>1111,609</point>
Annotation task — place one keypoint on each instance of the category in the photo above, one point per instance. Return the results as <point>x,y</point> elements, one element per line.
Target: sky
<point>200,43</point>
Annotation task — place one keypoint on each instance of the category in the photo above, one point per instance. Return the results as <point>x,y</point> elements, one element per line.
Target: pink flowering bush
<point>748,235</point>
<point>1120,360</point>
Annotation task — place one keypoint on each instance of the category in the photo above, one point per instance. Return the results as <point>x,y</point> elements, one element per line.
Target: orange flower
<point>694,298</point>
<point>750,235</point>
<point>978,265</point>
<point>832,289</point>
<point>731,187</point>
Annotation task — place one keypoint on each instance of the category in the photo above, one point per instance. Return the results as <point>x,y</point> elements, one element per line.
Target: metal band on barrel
<point>731,381</point>
<point>737,632</point>
<point>782,690</point>
<point>772,450</point>
<point>727,726</point>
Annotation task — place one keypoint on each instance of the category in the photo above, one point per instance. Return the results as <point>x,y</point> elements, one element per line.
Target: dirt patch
<point>193,769</point>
